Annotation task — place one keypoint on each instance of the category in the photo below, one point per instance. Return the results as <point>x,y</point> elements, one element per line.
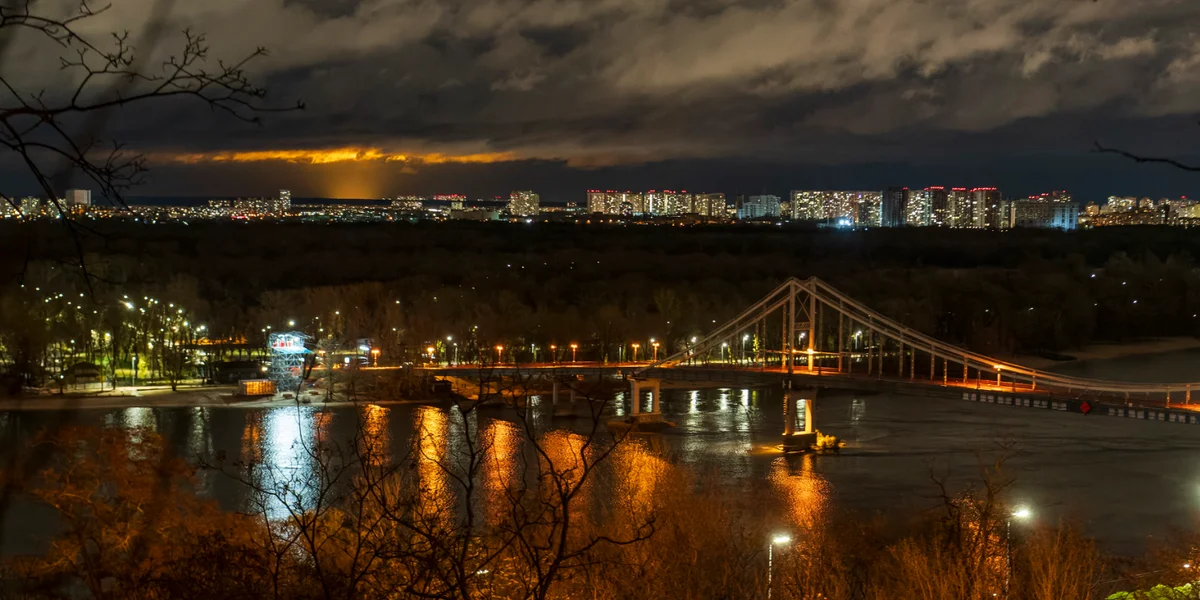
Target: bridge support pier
<point>801,441</point>
<point>654,386</point>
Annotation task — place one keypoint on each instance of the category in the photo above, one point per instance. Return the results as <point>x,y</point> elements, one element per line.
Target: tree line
<point>464,289</point>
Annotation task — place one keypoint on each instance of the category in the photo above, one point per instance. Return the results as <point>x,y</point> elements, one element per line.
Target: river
<point>1126,480</point>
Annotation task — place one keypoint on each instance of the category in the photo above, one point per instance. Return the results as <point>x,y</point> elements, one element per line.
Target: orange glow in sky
<point>335,155</point>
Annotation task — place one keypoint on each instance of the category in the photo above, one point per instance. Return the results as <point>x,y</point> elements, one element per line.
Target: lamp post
<point>429,350</point>
<point>780,539</point>
<point>998,367</point>
<point>655,345</point>
<point>553,353</point>
<point>745,338</point>
<point>375,355</point>
<point>635,346</point>
<point>1022,513</point>
<point>724,345</point>
<point>574,349</point>
<point>499,351</point>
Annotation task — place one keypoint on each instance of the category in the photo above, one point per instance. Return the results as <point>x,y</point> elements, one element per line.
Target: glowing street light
<point>998,367</point>
<point>635,346</point>
<point>553,353</point>
<point>655,344</point>
<point>375,354</point>
<point>1021,513</point>
<point>779,539</point>
<point>499,350</point>
<point>429,350</point>
<point>574,348</point>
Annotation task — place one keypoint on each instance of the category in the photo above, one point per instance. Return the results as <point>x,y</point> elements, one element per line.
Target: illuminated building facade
<point>710,205</point>
<point>919,210</point>
<point>285,202</point>
<point>655,203</point>
<point>523,204</point>
<point>830,205</point>
<point>407,203</point>
<point>986,209</point>
<point>961,211</point>
<point>456,201</point>
<point>763,206</point>
<point>1055,210</point>
<point>939,206</point>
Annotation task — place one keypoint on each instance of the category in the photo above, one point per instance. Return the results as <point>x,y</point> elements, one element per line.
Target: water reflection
<point>805,493</point>
<point>252,445</point>
<point>501,442</point>
<point>433,501</point>
<point>375,441</point>
<point>639,472</point>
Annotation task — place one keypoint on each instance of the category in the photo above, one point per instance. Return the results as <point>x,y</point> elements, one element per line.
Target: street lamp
<point>655,344</point>
<point>553,353</point>
<point>429,350</point>
<point>779,539</point>
<point>745,338</point>
<point>998,367</point>
<point>724,345</point>
<point>635,349</point>
<point>375,353</point>
<point>1022,513</point>
<point>574,348</point>
<point>499,350</point>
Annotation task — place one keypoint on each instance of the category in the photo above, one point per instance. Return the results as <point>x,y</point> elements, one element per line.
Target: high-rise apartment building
<point>961,211</point>
<point>828,205</point>
<point>710,205</point>
<point>919,212</point>
<point>763,206</point>
<point>1044,214</point>
<point>939,206</point>
<point>76,198</point>
<point>1120,204</point>
<point>986,209</point>
<point>867,209</point>
<point>31,207</point>
<point>408,203</point>
<point>285,201</point>
<point>523,204</point>
<point>893,207</point>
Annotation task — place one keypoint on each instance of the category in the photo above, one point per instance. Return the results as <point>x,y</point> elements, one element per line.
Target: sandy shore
<point>1108,351</point>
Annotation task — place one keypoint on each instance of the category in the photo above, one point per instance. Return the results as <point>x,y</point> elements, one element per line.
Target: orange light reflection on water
<point>434,500</point>
<point>502,447</point>
<point>805,493</point>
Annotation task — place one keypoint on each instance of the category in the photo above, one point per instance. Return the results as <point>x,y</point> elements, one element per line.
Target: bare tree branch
<point>1145,159</point>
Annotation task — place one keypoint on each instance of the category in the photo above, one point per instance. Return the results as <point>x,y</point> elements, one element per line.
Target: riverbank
<point>1109,351</point>
<point>185,397</point>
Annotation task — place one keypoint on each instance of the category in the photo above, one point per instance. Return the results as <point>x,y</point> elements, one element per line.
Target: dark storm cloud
<point>590,83</point>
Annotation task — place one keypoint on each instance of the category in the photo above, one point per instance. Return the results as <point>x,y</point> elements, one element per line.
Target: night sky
<point>484,96</point>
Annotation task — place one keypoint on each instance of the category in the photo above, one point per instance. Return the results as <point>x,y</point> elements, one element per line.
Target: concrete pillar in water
<point>554,393</point>
<point>654,386</point>
<point>803,439</point>
<point>809,417</point>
